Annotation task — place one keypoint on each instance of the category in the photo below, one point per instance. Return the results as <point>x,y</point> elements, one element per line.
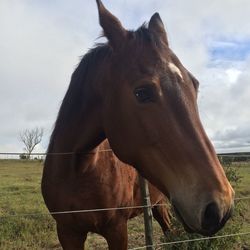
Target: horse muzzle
<point>211,221</point>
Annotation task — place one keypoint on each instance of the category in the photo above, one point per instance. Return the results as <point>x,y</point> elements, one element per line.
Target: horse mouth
<point>187,228</point>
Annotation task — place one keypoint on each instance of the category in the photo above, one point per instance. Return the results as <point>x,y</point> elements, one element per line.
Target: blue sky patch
<point>230,50</point>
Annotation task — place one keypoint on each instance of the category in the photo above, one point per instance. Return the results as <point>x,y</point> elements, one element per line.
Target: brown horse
<point>134,92</point>
<point>100,181</point>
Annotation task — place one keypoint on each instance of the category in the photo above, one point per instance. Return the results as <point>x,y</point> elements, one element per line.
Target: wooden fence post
<point>148,225</point>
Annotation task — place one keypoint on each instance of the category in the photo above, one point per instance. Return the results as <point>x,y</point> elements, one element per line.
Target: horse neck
<point>81,133</point>
<point>79,127</point>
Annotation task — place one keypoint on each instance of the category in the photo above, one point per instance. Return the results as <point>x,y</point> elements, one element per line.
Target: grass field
<point>20,194</point>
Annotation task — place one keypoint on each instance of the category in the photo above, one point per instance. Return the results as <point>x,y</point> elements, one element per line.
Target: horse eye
<point>145,94</point>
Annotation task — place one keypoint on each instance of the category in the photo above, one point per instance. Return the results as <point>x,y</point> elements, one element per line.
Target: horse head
<point>150,117</point>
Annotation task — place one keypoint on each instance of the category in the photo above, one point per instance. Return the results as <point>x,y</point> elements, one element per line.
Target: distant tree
<point>31,138</point>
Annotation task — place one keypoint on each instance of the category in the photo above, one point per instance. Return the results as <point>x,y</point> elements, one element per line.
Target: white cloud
<point>233,74</point>
<point>39,51</point>
<point>41,42</point>
<point>225,108</point>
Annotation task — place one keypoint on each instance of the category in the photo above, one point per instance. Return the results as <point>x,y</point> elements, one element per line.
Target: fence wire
<point>127,207</point>
<point>186,241</point>
<point>243,155</point>
<point>56,153</point>
<point>192,240</point>
<point>94,210</point>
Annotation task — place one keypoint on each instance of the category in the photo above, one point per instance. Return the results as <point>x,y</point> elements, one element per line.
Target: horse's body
<point>134,92</point>
<point>99,180</point>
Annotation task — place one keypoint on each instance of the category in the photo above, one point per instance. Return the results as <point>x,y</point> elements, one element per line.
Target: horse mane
<point>143,34</point>
<point>75,98</point>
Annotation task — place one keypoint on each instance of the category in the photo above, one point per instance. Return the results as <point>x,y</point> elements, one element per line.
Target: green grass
<point>243,190</point>
<point>244,186</point>
<point>20,194</point>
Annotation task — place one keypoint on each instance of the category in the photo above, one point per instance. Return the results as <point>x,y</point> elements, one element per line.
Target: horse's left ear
<point>156,27</point>
<point>111,25</point>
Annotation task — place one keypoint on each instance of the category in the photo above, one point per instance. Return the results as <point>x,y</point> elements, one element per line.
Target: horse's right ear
<point>111,25</point>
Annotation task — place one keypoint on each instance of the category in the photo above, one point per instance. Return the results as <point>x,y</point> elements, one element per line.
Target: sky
<point>42,41</point>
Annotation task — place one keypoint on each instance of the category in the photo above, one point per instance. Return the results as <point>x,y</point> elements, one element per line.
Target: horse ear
<point>111,25</point>
<point>156,27</point>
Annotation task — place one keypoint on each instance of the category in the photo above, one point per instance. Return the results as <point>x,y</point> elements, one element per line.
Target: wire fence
<point>95,210</point>
<point>16,154</point>
<point>23,155</point>
<point>186,241</point>
<point>192,240</point>
<point>136,207</point>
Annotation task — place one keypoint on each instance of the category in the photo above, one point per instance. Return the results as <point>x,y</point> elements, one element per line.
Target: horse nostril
<point>211,218</point>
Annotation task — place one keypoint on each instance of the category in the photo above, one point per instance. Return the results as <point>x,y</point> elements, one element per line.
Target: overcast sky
<point>41,42</point>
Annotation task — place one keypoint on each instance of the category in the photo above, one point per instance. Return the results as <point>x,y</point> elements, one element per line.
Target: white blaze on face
<point>175,69</point>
